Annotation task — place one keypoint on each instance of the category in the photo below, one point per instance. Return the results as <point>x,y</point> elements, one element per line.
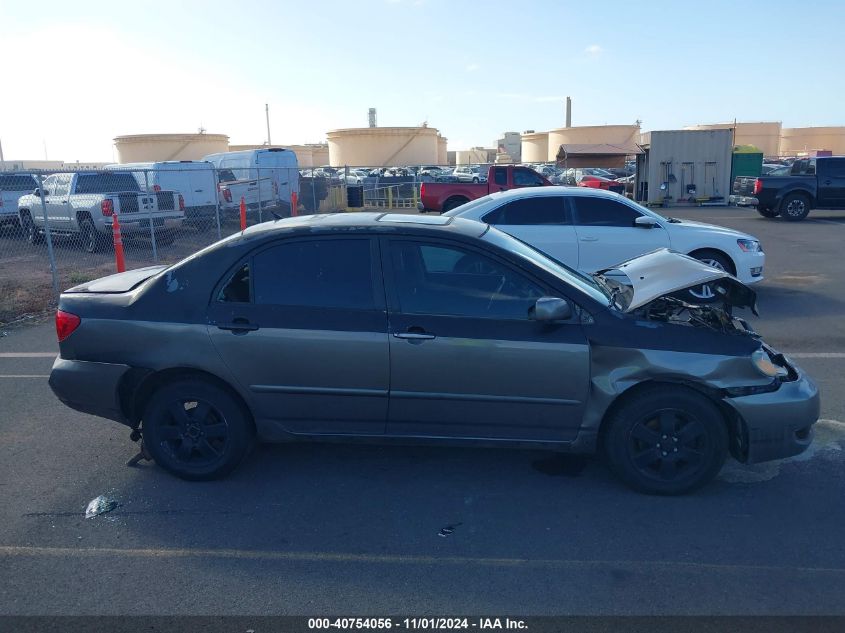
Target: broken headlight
<point>765,365</point>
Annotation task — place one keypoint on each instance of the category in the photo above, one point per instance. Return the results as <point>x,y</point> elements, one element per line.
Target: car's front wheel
<point>196,430</point>
<point>31,233</point>
<point>666,441</point>
<point>706,293</point>
<point>794,207</point>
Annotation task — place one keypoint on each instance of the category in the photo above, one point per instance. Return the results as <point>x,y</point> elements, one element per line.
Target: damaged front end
<point>656,287</point>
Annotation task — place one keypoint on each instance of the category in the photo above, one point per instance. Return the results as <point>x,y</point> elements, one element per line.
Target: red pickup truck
<point>445,196</point>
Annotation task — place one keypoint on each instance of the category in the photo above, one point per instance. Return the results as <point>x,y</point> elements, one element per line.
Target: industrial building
<point>535,146</point>
<point>309,155</point>
<point>764,135</point>
<point>509,148</point>
<point>795,141</point>
<point>684,166</point>
<point>544,147</point>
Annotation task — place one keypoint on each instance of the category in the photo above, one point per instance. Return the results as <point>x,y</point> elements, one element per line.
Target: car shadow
<point>777,301</point>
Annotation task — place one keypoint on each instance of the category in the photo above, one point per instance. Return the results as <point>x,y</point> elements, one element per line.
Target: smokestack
<point>371,115</point>
<point>568,112</point>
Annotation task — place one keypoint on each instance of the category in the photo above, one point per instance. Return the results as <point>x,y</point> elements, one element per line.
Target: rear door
<point>544,222</point>
<point>59,205</point>
<point>831,177</point>
<point>607,234</point>
<point>302,326</point>
<point>466,361</point>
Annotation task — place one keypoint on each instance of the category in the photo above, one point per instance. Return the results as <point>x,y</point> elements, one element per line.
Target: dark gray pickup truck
<point>813,183</point>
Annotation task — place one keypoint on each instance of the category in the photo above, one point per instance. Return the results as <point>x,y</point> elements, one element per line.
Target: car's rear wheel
<point>89,236</point>
<point>767,212</point>
<point>196,429</point>
<point>794,207</point>
<point>454,203</point>
<point>31,233</point>
<point>666,441</point>
<point>706,293</point>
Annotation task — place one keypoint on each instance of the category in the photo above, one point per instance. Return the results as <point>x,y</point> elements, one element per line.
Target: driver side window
<point>446,280</point>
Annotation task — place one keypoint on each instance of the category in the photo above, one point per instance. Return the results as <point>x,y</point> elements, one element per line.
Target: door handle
<point>415,333</point>
<point>238,326</point>
<point>589,239</point>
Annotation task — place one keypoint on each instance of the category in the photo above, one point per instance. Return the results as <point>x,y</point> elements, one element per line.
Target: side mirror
<point>645,222</point>
<point>550,309</point>
<point>36,192</point>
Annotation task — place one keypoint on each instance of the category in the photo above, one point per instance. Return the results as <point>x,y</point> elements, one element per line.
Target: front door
<point>302,326</point>
<point>831,177</point>
<point>466,361</point>
<point>607,234</point>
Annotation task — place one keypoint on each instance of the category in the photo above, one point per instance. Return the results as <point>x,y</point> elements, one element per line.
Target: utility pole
<point>267,116</point>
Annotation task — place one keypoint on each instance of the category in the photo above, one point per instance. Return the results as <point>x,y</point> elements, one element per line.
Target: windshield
<point>582,282</point>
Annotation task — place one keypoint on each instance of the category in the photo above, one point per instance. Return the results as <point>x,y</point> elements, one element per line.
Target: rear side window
<point>500,176</point>
<point>535,210</point>
<point>527,178</point>
<point>18,183</point>
<point>320,273</point>
<point>106,183</point>
<point>602,212</point>
<point>834,167</point>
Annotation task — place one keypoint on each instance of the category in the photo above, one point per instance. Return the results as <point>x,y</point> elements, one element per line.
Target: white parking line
<point>816,354</point>
<point>28,354</point>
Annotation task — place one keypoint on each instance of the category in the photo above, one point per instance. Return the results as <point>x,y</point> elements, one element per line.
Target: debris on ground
<point>449,529</point>
<point>101,505</point>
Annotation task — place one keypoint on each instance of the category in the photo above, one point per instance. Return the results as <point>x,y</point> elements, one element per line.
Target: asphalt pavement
<point>351,529</point>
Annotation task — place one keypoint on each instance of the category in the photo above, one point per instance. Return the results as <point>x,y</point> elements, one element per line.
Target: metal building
<point>686,166</point>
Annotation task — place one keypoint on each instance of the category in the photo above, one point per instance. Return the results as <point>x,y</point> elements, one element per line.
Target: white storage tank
<point>383,146</point>
<point>535,147</point>
<point>141,148</point>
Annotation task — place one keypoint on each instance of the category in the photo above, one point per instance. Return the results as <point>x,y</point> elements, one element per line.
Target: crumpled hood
<point>664,272</point>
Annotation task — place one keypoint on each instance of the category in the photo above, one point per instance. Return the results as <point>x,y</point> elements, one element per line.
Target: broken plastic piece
<point>449,529</point>
<point>100,505</point>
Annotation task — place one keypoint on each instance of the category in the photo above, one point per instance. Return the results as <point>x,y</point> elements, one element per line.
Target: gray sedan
<point>414,328</point>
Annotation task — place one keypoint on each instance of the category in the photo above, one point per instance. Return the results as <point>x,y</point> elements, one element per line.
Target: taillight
<point>181,203</point>
<point>758,186</point>
<point>107,207</point>
<point>156,188</point>
<point>227,195</point>
<point>422,190</point>
<point>66,323</point>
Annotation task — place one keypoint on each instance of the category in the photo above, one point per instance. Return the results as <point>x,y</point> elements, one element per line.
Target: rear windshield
<point>17,183</point>
<point>106,183</point>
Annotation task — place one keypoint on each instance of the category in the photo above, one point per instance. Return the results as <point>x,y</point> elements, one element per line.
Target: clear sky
<point>77,73</point>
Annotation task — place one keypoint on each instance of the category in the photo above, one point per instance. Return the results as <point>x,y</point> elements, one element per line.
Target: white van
<point>195,180</point>
<point>265,178</point>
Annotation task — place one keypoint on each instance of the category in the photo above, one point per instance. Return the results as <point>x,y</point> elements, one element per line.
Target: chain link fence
<point>57,229</point>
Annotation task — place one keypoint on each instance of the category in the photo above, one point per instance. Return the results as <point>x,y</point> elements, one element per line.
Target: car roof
<point>378,222</point>
<point>554,190</point>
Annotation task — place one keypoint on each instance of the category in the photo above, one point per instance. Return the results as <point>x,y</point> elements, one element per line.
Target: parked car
<point>264,178</point>
<point>619,172</point>
<point>590,177</point>
<point>460,333</point>
<point>443,196</point>
<point>590,230</point>
<point>353,176</point>
<point>812,183</point>
<point>467,173</point>
<point>195,180</point>
<point>12,187</point>
<point>84,203</point>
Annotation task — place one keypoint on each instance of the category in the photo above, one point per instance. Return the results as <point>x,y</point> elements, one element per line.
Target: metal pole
<point>217,202</point>
<point>260,218</point>
<point>2,160</point>
<point>49,239</point>
<point>267,116</point>
<point>314,203</point>
<point>152,229</point>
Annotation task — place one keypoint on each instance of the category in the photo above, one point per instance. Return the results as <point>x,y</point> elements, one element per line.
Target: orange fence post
<point>118,244</point>
<point>294,203</point>
<point>243,214</point>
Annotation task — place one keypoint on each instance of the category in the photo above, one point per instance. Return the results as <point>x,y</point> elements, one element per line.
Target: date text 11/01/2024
<point>430,624</point>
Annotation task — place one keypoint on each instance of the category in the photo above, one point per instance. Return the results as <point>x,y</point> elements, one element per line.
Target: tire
<point>453,203</point>
<point>706,293</point>
<point>201,442</point>
<point>475,181</point>
<point>89,237</point>
<point>767,213</point>
<point>30,232</point>
<point>794,207</point>
<point>682,421</point>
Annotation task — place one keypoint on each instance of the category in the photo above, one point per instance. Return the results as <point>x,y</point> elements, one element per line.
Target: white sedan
<point>592,230</point>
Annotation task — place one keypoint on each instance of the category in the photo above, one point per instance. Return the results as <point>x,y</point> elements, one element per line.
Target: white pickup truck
<point>12,187</point>
<point>84,203</point>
